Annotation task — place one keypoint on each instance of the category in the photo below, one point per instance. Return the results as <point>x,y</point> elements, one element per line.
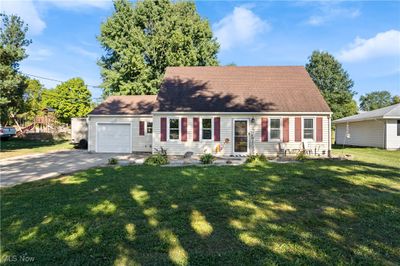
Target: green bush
<point>113,161</point>
<point>207,158</point>
<point>256,158</point>
<point>301,156</point>
<point>156,159</point>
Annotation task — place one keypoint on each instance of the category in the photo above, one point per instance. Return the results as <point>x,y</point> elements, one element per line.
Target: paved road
<point>40,166</point>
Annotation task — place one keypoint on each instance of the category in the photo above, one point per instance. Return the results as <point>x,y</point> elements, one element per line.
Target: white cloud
<point>238,28</point>
<point>27,11</point>
<point>73,4</point>
<point>39,54</point>
<point>329,11</point>
<point>81,51</point>
<point>383,44</point>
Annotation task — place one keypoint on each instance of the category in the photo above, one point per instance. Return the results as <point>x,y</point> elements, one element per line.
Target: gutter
<point>241,113</point>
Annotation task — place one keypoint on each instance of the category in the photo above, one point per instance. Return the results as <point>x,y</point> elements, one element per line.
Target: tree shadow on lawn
<point>317,212</point>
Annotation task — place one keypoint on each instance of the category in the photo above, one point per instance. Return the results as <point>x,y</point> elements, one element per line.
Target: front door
<point>240,136</point>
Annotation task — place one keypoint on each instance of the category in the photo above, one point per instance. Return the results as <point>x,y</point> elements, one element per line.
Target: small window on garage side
<point>275,131</point>
<point>149,127</point>
<point>206,131</point>
<point>398,127</point>
<point>173,128</point>
<point>308,128</point>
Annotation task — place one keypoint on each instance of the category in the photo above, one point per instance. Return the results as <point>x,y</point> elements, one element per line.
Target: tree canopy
<point>377,99</point>
<point>35,98</point>
<point>13,45</point>
<point>333,82</point>
<point>70,99</point>
<point>141,40</point>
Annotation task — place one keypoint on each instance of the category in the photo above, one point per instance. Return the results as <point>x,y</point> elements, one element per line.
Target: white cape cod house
<point>227,111</point>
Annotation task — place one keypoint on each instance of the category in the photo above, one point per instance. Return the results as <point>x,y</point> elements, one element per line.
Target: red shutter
<point>297,129</point>
<point>163,124</point>
<point>184,129</point>
<point>264,129</point>
<point>196,129</point>
<point>285,129</point>
<point>217,128</point>
<point>141,128</point>
<point>319,129</point>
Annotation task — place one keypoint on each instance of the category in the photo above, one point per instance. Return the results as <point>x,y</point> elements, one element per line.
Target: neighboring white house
<point>378,128</point>
<point>227,111</point>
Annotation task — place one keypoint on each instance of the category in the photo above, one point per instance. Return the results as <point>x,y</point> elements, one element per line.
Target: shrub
<point>158,158</point>
<point>256,158</point>
<point>301,156</point>
<point>207,158</point>
<point>113,161</point>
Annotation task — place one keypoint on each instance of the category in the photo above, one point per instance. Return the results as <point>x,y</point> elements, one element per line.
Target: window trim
<point>212,128</point>
<point>270,118</point>
<point>147,125</point>
<point>314,128</point>
<point>179,129</point>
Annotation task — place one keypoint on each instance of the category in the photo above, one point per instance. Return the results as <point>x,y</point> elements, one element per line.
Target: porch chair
<point>282,149</point>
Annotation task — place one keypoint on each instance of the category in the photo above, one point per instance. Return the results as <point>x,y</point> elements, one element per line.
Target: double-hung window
<point>308,128</point>
<point>275,129</point>
<point>206,128</point>
<point>173,128</point>
<point>149,128</point>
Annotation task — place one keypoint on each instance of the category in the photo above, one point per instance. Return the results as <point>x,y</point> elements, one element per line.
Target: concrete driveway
<point>40,166</point>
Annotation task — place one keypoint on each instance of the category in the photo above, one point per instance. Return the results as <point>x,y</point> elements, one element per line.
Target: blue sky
<point>364,36</point>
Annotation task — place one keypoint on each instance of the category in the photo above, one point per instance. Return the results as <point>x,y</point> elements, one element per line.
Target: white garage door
<point>114,138</point>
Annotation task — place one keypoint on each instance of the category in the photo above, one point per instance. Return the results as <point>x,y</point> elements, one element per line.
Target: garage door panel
<point>114,137</point>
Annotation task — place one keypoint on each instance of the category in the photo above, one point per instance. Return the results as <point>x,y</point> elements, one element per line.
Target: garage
<point>114,137</point>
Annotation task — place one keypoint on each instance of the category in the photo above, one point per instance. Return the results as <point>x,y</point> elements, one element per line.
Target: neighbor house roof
<point>240,89</point>
<point>126,105</point>
<point>392,111</point>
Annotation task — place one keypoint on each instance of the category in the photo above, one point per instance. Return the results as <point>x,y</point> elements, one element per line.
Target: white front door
<point>240,136</point>
<point>113,138</point>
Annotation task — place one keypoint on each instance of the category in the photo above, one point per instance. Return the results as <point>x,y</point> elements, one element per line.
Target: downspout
<point>329,136</point>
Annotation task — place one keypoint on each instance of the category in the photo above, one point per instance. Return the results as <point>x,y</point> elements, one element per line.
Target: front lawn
<point>17,147</point>
<point>316,212</point>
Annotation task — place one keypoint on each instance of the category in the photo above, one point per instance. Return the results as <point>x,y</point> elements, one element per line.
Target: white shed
<point>378,128</point>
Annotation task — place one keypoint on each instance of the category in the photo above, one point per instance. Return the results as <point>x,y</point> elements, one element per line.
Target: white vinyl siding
<point>392,137</point>
<point>365,133</point>
<point>199,147</point>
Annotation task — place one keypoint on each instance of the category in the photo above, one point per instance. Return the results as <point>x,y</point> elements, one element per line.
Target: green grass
<point>18,147</point>
<point>316,212</point>
<point>370,155</point>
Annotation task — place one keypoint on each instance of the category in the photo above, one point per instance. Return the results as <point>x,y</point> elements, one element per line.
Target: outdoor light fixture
<point>252,120</point>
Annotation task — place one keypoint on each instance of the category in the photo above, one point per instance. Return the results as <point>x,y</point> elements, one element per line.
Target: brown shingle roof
<point>240,89</point>
<point>126,105</point>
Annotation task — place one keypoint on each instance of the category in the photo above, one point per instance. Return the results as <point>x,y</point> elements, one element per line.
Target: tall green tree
<point>34,98</point>
<point>377,99</point>
<point>71,98</point>
<point>396,99</point>
<point>333,82</point>
<point>141,40</point>
<point>13,43</point>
